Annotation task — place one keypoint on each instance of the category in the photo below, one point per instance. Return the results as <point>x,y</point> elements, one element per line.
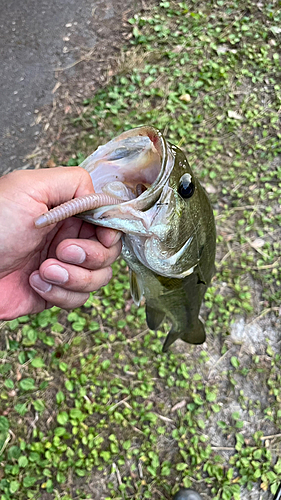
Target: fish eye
<point>186,187</point>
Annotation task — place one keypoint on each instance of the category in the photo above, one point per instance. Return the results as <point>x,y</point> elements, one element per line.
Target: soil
<point>85,52</point>
<point>52,58</point>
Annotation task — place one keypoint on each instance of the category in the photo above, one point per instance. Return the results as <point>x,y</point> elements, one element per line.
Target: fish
<point>145,187</point>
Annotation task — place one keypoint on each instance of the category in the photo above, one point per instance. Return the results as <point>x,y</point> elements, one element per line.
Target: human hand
<point>56,265</point>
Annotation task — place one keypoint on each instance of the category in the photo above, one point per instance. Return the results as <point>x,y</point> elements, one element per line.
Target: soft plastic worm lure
<point>74,207</point>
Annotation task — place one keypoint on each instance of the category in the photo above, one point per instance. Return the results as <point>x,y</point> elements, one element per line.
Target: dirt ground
<point>240,373</point>
<point>52,57</point>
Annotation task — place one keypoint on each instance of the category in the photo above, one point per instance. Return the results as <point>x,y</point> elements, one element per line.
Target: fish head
<point>181,223</point>
<point>166,224</point>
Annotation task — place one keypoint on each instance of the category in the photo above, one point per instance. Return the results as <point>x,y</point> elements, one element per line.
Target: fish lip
<point>147,200</point>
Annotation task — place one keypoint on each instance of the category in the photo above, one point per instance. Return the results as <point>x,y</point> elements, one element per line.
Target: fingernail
<point>116,235</point>
<point>74,254</point>
<point>39,284</point>
<point>56,274</point>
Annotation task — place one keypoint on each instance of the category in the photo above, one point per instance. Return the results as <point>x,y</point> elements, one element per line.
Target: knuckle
<point>77,299</point>
<point>67,299</point>
<point>100,258</point>
<point>107,275</point>
<point>117,249</point>
<point>99,278</point>
<point>86,283</point>
<point>84,175</point>
<point>89,283</point>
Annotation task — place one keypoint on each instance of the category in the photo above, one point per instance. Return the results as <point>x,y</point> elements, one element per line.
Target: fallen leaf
<point>275,29</point>
<point>50,164</point>
<point>264,486</point>
<point>257,243</point>
<point>233,114</point>
<point>178,49</point>
<point>185,97</point>
<point>222,49</point>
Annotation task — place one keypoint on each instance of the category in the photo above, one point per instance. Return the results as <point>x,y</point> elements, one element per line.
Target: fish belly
<point>182,310</point>
<point>176,300</point>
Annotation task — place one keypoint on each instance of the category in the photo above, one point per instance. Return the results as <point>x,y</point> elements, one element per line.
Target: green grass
<point>90,407</point>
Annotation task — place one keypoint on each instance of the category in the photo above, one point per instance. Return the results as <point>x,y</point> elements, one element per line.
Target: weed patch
<point>90,407</point>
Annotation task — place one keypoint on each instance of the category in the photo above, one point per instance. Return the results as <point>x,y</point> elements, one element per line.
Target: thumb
<point>57,185</point>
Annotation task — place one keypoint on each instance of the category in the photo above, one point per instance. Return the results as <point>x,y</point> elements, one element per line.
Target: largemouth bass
<point>148,191</point>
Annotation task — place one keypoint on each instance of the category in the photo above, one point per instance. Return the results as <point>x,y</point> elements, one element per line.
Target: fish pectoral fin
<point>135,287</point>
<point>194,335</point>
<point>154,317</point>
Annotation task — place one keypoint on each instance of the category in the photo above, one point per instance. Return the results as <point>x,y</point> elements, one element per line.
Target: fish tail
<point>195,335</point>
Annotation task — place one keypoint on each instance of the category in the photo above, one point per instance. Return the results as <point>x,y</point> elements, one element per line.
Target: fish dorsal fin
<point>135,287</point>
<point>154,318</point>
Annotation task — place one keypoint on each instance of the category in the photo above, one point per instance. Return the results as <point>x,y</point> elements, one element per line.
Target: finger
<point>74,278</point>
<point>49,187</point>
<point>61,184</point>
<point>108,237</point>
<point>68,230</point>
<point>89,254</point>
<point>55,295</point>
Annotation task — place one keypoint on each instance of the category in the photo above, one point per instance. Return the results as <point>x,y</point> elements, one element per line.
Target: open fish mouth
<point>129,175</point>
<point>134,168</point>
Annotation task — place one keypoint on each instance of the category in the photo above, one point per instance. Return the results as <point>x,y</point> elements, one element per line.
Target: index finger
<point>60,184</point>
<point>108,237</point>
